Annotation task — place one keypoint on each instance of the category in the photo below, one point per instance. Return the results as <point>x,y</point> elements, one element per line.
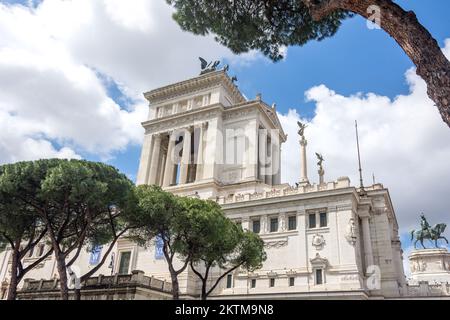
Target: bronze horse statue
<point>432,234</point>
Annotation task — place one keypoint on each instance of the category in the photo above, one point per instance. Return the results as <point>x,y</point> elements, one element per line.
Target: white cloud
<point>51,58</point>
<point>403,141</point>
<point>447,48</point>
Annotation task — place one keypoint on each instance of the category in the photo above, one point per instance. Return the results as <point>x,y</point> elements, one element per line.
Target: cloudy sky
<point>72,75</point>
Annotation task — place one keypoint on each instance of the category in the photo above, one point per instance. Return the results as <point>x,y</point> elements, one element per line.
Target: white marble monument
<point>323,240</point>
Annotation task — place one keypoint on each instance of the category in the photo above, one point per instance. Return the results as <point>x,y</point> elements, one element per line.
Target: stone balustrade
<point>423,289</point>
<point>287,190</point>
<point>43,288</point>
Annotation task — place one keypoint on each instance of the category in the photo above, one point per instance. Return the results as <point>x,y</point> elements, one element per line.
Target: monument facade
<point>204,139</point>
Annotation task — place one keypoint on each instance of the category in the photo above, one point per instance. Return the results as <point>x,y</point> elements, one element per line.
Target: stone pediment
<point>272,115</point>
<point>319,262</point>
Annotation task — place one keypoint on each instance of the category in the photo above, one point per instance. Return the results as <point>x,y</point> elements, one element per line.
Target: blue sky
<point>73,74</point>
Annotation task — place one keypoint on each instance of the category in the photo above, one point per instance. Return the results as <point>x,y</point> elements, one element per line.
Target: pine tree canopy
<point>265,25</point>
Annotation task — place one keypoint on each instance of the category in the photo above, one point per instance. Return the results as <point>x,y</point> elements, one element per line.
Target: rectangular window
<point>323,219</point>
<point>291,281</point>
<point>292,225</point>
<point>31,252</point>
<point>274,225</point>
<point>253,283</point>
<point>272,282</point>
<point>256,226</point>
<point>229,281</point>
<point>312,220</point>
<point>319,277</point>
<point>41,250</point>
<point>124,265</point>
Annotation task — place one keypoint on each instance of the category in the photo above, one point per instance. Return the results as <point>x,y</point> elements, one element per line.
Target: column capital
<point>188,128</point>
<point>158,136</point>
<point>303,142</point>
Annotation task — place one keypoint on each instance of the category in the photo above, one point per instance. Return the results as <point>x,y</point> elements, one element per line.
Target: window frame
<point>295,219</point>
<point>259,226</point>
<point>277,224</point>
<point>229,281</point>
<point>312,215</point>
<point>320,217</point>
<point>316,278</point>
<point>271,282</point>
<point>325,215</point>
<point>291,281</point>
<point>121,253</point>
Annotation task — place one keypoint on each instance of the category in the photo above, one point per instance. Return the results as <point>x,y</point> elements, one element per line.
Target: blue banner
<point>96,253</point>
<point>159,245</point>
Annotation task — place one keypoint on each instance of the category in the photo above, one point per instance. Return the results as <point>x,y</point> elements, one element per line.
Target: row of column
<point>164,165</point>
<point>269,167</point>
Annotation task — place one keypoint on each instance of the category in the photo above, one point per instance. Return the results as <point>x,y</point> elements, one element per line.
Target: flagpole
<point>361,182</point>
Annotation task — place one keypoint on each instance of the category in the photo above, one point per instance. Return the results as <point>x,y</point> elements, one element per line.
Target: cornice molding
<point>180,120</point>
<point>195,84</point>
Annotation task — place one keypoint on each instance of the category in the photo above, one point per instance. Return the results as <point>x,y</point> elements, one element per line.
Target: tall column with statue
<point>303,165</point>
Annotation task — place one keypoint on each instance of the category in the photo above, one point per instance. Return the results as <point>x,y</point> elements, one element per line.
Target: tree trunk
<point>62,271</point>
<point>77,294</point>
<point>204,293</point>
<point>14,281</point>
<point>415,40</point>
<point>175,286</point>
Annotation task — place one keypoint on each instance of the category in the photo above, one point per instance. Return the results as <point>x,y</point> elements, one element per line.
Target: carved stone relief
<point>350,234</point>
<point>275,244</point>
<point>318,242</point>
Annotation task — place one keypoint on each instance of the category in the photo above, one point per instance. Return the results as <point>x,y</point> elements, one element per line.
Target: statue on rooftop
<point>428,232</point>
<point>302,127</point>
<point>321,171</point>
<point>208,67</point>
<point>321,160</point>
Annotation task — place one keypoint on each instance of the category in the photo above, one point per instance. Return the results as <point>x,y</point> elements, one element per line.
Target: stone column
<point>367,241</point>
<point>185,159</point>
<point>262,157</point>
<point>304,169</point>
<point>283,222</point>
<point>163,168</point>
<point>155,160</point>
<point>199,160</point>
<point>269,160</point>
<point>277,164</point>
<point>251,154</point>
<point>245,223</point>
<point>168,173</point>
<point>144,164</point>
<point>263,225</point>
<point>321,176</point>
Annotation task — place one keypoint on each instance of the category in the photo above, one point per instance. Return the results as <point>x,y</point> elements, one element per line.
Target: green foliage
<point>251,254</point>
<point>216,241</point>
<point>158,213</point>
<point>3,243</point>
<point>214,235</point>
<point>87,196</point>
<point>19,219</point>
<point>66,195</point>
<point>243,25</point>
<point>76,203</point>
<point>226,245</point>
